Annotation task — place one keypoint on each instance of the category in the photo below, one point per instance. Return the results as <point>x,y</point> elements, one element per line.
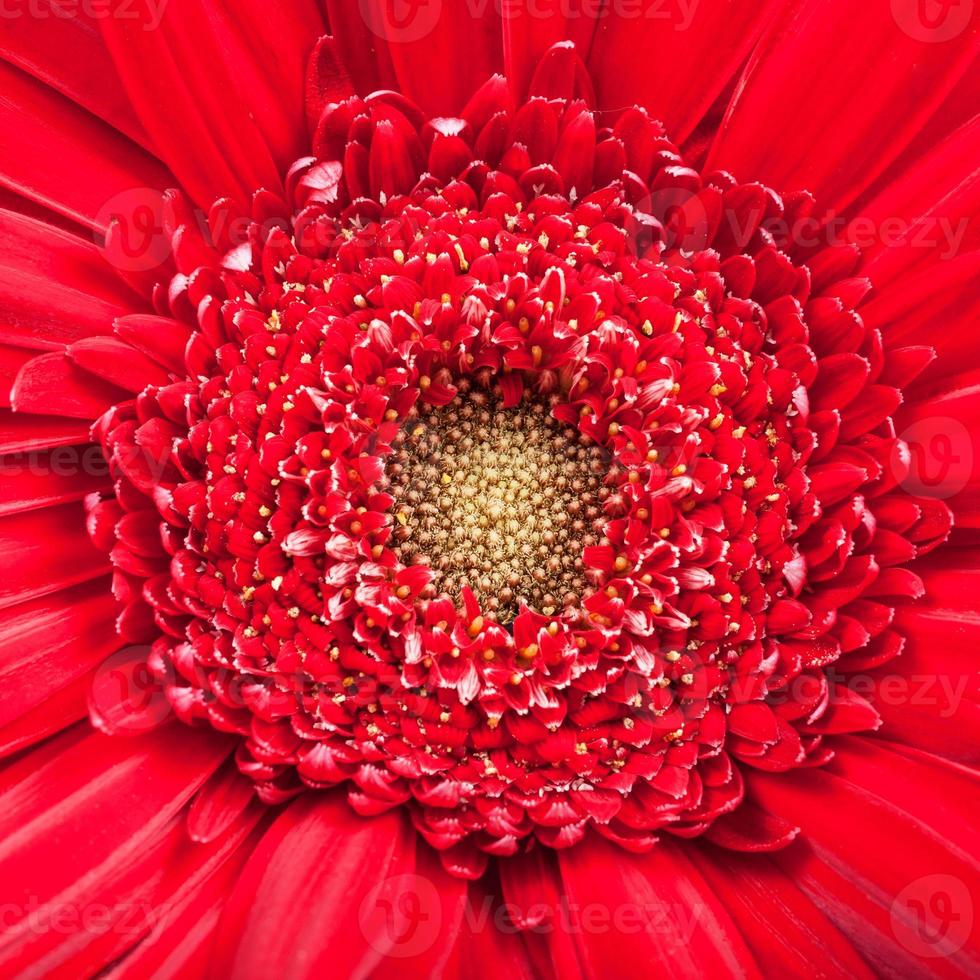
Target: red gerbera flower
<point>491,487</point>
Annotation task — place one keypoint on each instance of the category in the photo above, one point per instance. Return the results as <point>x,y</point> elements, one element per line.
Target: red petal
<point>33,547</point>
<point>118,363</point>
<point>530,33</point>
<point>179,62</point>
<point>441,53</point>
<point>532,890</point>
<point>28,433</point>
<point>48,643</point>
<point>674,59</point>
<point>54,715</point>
<point>52,478</point>
<point>944,293</point>
<point>199,880</point>
<point>807,81</point>
<point>34,250</point>
<point>327,80</point>
<point>350,874</point>
<point>930,203</point>
<point>750,828</point>
<point>71,793</point>
<point>52,385</point>
<point>163,339</point>
<point>786,932</point>
<point>857,877</point>
<point>364,52</point>
<point>684,930</point>
<point>67,53</point>
<point>443,898</point>
<point>222,799</point>
<point>66,159</point>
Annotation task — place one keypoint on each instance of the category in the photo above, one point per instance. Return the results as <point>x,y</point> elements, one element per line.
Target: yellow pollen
<point>502,501</point>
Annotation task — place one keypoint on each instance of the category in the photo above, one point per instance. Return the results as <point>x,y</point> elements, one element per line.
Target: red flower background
<point>489,487</point>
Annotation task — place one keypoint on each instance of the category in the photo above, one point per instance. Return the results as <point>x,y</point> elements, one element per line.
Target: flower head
<point>497,479</point>
<point>511,487</point>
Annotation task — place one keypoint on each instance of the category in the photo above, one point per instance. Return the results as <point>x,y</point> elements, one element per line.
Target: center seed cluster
<point>502,500</point>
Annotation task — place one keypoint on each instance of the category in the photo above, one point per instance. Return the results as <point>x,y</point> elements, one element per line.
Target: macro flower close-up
<point>489,488</point>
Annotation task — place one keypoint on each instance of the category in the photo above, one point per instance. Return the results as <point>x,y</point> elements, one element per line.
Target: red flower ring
<point>494,476</point>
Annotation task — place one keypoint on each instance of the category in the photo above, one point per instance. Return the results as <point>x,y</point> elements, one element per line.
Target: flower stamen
<point>502,500</point>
